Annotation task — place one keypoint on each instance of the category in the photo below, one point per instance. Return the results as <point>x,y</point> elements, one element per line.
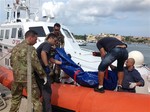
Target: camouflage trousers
<point>16,91</point>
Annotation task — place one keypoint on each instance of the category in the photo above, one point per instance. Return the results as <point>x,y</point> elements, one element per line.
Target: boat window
<point>50,29</point>
<point>39,30</point>
<point>13,34</point>
<point>67,33</point>
<point>20,34</point>
<point>1,34</point>
<point>7,34</point>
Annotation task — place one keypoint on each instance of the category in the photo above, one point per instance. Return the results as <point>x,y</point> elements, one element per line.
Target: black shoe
<point>119,89</point>
<point>101,90</point>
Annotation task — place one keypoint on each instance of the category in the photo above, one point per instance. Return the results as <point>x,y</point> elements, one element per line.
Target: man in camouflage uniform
<point>60,44</point>
<point>59,35</point>
<point>19,64</point>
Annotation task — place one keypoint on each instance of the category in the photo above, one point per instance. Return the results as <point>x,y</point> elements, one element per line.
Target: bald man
<point>132,77</point>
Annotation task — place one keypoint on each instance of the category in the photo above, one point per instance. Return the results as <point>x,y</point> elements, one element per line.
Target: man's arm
<point>36,64</point>
<point>139,80</point>
<point>55,61</point>
<point>44,58</point>
<point>102,52</point>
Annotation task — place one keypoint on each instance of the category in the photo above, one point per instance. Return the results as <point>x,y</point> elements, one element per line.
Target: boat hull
<point>83,99</point>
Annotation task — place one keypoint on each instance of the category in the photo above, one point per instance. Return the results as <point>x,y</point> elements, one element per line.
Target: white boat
<point>81,42</point>
<point>13,30</point>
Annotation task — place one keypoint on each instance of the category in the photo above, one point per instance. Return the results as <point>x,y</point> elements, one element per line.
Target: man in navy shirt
<point>111,49</point>
<point>132,77</point>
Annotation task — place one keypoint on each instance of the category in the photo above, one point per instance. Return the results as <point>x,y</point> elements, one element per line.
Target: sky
<point>123,17</point>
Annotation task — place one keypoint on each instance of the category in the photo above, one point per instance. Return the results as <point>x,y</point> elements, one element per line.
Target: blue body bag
<point>84,78</point>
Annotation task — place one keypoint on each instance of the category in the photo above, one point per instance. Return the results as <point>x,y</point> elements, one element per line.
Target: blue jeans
<point>117,53</point>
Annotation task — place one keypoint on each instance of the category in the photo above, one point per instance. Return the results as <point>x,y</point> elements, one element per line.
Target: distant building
<point>102,35</point>
<point>91,39</point>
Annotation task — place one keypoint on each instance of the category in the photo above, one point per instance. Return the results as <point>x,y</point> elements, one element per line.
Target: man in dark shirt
<point>132,77</point>
<point>44,55</point>
<point>44,50</point>
<point>111,49</point>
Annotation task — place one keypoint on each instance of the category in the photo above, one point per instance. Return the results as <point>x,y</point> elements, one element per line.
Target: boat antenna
<point>47,10</point>
<point>21,5</point>
<point>8,13</point>
<point>8,10</point>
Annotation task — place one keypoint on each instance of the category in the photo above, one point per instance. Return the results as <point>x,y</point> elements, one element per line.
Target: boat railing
<point>147,67</point>
<point>14,12</point>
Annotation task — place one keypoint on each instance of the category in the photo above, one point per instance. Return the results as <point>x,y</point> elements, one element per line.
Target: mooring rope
<point>4,56</point>
<point>3,104</point>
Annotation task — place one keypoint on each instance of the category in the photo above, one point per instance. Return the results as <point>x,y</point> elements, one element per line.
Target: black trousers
<point>46,92</point>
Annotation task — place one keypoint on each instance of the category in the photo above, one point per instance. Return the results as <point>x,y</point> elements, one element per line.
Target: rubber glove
<point>132,85</point>
<point>47,70</point>
<point>45,80</point>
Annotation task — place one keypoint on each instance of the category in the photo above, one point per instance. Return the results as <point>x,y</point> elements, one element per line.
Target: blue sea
<point>143,48</point>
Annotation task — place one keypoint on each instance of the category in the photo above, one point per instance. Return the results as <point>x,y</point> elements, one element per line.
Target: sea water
<point>143,48</point>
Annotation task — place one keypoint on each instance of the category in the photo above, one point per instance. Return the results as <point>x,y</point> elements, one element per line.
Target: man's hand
<point>45,80</point>
<point>58,62</point>
<point>132,85</point>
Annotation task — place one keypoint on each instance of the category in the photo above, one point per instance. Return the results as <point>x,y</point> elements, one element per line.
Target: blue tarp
<point>84,78</point>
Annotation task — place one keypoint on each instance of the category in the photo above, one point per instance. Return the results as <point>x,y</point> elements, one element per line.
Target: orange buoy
<point>6,77</point>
